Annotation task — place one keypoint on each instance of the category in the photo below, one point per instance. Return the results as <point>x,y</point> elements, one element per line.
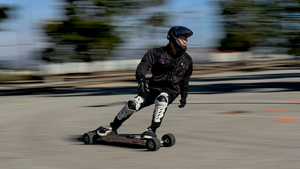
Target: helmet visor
<point>183,31</point>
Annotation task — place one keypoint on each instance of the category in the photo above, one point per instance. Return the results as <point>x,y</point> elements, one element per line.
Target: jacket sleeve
<point>184,84</point>
<point>148,60</point>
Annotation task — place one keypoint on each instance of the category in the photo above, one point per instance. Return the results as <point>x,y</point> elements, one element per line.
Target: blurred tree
<point>4,9</point>
<point>93,28</point>
<point>152,24</point>
<point>294,46</point>
<point>243,24</point>
<point>250,23</point>
<point>3,12</point>
<point>291,19</point>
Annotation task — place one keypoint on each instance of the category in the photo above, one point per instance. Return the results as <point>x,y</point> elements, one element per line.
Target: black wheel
<point>153,144</point>
<point>168,140</point>
<point>89,138</point>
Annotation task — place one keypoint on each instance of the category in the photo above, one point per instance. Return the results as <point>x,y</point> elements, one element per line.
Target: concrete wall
<point>117,65</point>
<point>85,67</point>
<point>212,57</point>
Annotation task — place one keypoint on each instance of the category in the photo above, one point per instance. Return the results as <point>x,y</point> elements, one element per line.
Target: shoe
<point>105,130</point>
<point>148,134</point>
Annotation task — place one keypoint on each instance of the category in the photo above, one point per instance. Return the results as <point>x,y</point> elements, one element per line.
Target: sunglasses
<point>183,38</point>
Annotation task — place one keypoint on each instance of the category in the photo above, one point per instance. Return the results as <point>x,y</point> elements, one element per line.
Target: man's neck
<point>172,48</point>
<point>174,51</point>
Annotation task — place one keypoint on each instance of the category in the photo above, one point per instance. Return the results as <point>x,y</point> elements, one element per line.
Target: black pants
<point>149,99</point>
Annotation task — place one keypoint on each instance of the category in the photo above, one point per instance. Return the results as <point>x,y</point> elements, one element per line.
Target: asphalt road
<point>232,121</point>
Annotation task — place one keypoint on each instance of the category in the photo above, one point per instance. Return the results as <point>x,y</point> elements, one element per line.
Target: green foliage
<point>3,12</point>
<point>243,23</point>
<point>236,42</point>
<point>250,23</point>
<point>294,45</point>
<point>90,32</point>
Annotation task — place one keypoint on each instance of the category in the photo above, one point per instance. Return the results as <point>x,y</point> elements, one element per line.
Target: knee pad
<point>162,100</point>
<point>161,104</point>
<point>131,107</point>
<point>135,103</point>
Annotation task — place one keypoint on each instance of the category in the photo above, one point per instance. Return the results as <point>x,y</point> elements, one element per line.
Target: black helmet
<point>173,34</point>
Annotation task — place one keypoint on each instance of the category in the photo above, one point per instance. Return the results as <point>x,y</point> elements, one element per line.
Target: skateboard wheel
<point>88,138</point>
<point>168,140</point>
<point>153,144</point>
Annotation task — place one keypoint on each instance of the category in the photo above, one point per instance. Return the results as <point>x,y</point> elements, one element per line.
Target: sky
<point>22,36</point>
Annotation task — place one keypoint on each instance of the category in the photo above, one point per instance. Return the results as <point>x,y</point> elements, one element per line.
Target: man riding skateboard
<point>171,69</point>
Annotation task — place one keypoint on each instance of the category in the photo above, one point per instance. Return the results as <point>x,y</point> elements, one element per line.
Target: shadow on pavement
<point>265,87</point>
<point>249,77</point>
<point>104,143</point>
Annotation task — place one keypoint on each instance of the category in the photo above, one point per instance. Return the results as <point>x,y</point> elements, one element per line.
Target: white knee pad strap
<point>126,111</point>
<point>160,108</point>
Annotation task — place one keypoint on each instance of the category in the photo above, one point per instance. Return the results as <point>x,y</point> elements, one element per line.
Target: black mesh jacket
<point>169,73</point>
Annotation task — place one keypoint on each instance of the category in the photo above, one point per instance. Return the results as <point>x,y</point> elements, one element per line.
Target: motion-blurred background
<point>67,67</point>
<point>52,37</point>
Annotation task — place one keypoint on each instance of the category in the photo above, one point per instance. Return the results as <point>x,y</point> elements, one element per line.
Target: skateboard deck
<point>152,144</point>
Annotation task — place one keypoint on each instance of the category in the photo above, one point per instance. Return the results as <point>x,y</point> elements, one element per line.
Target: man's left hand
<point>182,103</point>
<point>143,86</point>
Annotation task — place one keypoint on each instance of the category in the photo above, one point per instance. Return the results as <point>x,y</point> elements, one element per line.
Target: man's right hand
<point>182,103</point>
<point>143,86</point>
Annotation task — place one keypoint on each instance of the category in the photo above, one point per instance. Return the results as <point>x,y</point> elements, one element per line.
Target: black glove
<point>182,103</point>
<point>143,86</point>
